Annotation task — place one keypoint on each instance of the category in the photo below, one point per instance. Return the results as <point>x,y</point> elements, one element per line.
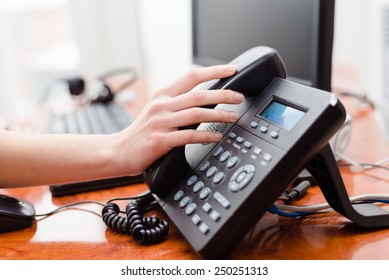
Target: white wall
<point>107,35</point>
<point>165,36</point>
<point>352,38</point>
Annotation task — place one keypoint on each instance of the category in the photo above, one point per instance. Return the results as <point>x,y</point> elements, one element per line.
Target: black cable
<point>145,230</point>
<point>366,165</point>
<point>70,205</point>
<point>297,192</point>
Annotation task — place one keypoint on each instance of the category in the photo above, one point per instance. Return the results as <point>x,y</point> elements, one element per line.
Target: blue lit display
<point>282,115</point>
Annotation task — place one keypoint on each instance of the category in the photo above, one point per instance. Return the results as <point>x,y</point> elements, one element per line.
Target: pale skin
<point>28,159</point>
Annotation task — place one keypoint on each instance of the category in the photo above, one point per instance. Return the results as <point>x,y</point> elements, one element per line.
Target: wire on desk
<point>364,166</point>
<point>68,206</point>
<point>300,211</point>
<point>141,196</point>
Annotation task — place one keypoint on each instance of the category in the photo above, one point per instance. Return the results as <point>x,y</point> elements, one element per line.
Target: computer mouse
<point>15,213</point>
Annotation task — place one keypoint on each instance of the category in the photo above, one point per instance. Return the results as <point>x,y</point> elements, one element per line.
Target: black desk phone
<point>214,193</point>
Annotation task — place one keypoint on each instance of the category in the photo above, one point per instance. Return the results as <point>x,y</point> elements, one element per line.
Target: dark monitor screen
<point>300,30</point>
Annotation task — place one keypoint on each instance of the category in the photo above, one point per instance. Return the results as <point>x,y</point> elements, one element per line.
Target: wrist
<point>122,155</point>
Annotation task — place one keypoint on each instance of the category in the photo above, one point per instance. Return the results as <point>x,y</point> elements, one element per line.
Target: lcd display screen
<point>282,115</point>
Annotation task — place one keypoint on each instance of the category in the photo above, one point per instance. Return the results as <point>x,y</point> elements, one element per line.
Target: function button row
<point>274,134</point>
<point>240,140</point>
<point>248,144</point>
<point>232,135</point>
<point>254,124</point>
<point>264,128</point>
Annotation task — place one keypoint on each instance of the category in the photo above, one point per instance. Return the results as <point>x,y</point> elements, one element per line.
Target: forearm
<point>42,159</point>
<point>38,159</point>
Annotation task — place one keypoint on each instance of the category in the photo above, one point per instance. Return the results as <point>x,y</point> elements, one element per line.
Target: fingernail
<point>230,68</point>
<point>218,136</point>
<point>234,116</point>
<point>239,97</point>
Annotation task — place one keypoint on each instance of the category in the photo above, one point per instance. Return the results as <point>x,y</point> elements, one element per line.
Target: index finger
<point>199,75</point>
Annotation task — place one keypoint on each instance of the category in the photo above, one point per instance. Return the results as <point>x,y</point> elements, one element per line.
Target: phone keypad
<point>228,170</point>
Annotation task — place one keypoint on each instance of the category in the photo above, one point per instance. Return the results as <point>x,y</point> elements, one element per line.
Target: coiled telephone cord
<point>145,230</point>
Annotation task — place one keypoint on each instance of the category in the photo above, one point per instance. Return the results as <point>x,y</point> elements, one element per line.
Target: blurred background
<point>43,40</point>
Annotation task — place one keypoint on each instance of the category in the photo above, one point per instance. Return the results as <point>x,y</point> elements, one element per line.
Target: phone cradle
<point>324,169</point>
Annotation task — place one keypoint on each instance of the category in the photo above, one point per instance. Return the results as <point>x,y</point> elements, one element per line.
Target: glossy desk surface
<point>79,233</point>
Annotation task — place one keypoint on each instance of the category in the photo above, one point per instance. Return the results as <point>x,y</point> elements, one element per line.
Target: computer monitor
<point>300,30</point>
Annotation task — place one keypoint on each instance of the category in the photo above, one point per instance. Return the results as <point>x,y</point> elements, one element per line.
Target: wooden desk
<point>81,234</point>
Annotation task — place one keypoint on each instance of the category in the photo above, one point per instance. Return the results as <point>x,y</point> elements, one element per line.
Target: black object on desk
<point>93,119</point>
<point>68,189</point>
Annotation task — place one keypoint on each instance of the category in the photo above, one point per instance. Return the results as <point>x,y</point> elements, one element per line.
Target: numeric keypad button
<point>204,193</point>
<point>184,202</point>
<point>218,177</point>
<point>225,156</point>
<point>232,162</point>
<point>178,195</point>
<point>192,179</point>
<point>218,151</point>
<point>211,171</point>
<point>198,186</point>
<point>205,166</point>
<point>190,209</point>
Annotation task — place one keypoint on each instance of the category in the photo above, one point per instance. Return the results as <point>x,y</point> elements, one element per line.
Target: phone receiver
<point>256,68</point>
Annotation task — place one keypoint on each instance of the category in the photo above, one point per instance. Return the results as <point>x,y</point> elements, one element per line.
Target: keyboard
<point>93,119</point>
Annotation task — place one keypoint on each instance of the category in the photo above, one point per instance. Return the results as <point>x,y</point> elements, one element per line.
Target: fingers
<point>183,137</point>
<point>205,97</point>
<point>200,115</point>
<point>197,76</point>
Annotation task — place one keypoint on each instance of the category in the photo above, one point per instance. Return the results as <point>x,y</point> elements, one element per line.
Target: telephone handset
<point>256,68</point>
<point>215,193</point>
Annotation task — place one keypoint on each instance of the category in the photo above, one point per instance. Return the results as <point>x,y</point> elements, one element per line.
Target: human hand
<point>155,131</point>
